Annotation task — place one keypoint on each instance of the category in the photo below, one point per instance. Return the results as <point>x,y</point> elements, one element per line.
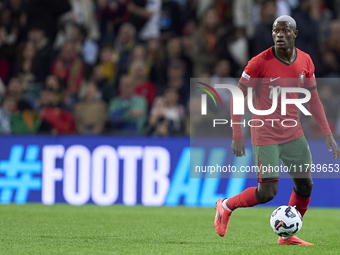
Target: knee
<point>268,193</point>
<point>304,188</point>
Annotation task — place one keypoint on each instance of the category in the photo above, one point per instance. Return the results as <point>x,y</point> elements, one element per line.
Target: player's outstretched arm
<point>316,108</point>
<point>237,144</point>
<point>330,142</point>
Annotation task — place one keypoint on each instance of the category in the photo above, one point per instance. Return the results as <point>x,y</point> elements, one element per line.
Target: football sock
<point>224,204</point>
<point>247,198</point>
<point>301,203</point>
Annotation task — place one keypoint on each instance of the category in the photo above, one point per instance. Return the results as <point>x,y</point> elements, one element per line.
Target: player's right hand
<point>330,142</point>
<point>238,148</point>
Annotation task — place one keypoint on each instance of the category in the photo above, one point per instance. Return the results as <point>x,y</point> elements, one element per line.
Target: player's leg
<point>224,207</point>
<point>296,155</point>
<point>264,157</point>
<point>301,194</point>
<point>300,199</point>
<point>267,191</point>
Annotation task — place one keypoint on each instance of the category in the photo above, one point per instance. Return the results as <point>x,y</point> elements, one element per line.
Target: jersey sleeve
<point>249,75</point>
<point>310,82</point>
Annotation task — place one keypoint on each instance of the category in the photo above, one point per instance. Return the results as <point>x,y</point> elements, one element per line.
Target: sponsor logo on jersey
<point>274,79</point>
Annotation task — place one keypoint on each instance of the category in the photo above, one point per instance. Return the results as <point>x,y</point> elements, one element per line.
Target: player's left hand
<point>330,142</point>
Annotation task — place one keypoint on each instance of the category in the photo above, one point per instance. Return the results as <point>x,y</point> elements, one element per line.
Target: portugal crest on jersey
<point>301,78</point>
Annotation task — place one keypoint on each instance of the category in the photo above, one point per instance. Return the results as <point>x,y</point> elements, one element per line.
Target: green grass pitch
<point>90,229</point>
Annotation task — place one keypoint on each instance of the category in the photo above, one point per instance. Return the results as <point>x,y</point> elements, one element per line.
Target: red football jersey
<point>266,72</point>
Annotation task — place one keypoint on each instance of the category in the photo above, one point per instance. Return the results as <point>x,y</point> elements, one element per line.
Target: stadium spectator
<point>188,12</point>
<point>151,29</point>
<point>161,129</point>
<point>170,19</point>
<point>204,44</point>
<point>18,15</point>
<point>2,90</point>
<point>263,31</point>
<point>158,125</point>
<point>177,80</point>
<point>322,13</point>
<point>196,123</point>
<point>173,52</point>
<point>167,117</point>
<point>142,86</point>
<point>333,40</point>
<point>27,66</point>
<point>47,14</point>
<point>69,69</point>
<point>307,15</point>
<point>138,15</point>
<point>23,120</point>
<point>107,89</point>
<point>107,62</point>
<point>52,111</point>
<point>155,52</point>
<point>127,112</point>
<point>238,48</point>
<point>52,83</point>
<point>186,40</point>
<point>139,54</point>
<point>44,52</point>
<point>11,22</point>
<point>90,113</point>
<point>284,7</point>
<point>7,55</point>
<point>174,112</point>
<point>50,97</point>
<point>221,73</point>
<point>233,46</point>
<point>82,13</point>
<point>86,48</point>
<point>203,6</point>
<point>222,76</point>
<point>123,45</point>
<point>242,16</point>
<point>331,68</point>
<point>15,90</point>
<point>8,107</point>
<point>110,14</point>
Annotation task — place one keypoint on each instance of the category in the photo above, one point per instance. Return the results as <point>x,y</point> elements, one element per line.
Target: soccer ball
<point>286,221</point>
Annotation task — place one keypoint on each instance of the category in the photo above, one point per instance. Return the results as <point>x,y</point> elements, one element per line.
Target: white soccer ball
<point>286,221</point>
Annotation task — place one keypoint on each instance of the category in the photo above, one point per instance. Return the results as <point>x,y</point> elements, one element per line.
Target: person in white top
<point>151,29</point>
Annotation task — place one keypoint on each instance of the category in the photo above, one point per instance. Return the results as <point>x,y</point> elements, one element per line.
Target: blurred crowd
<point>123,67</point>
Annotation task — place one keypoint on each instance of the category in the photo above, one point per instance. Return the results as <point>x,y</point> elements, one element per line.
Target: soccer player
<point>273,142</point>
